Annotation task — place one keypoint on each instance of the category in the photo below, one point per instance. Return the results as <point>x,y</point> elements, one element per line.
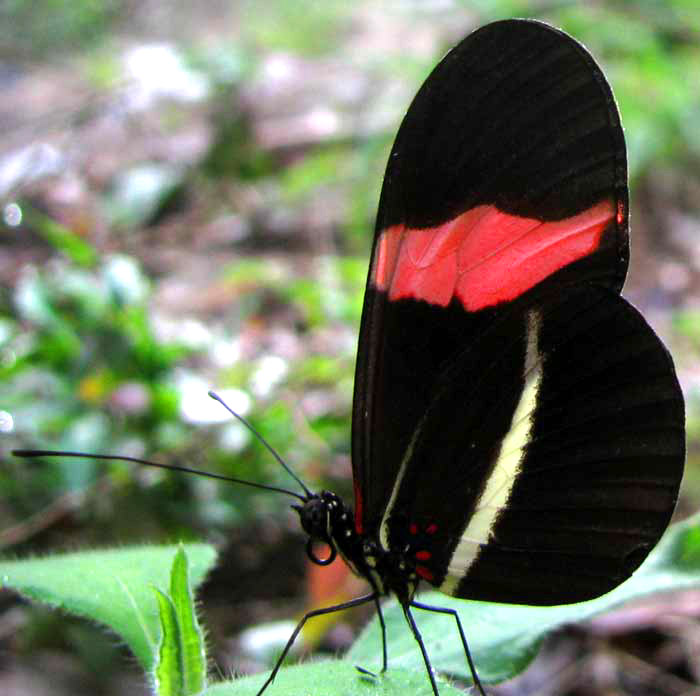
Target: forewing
<point>508,175</point>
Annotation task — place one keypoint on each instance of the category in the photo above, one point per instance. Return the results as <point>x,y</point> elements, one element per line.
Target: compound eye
<point>310,552</point>
<point>318,516</point>
<point>314,518</point>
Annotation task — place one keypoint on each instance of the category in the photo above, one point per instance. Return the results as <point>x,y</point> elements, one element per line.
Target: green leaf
<point>503,639</point>
<point>61,238</point>
<point>194,661</point>
<point>111,587</point>
<point>169,677</point>
<point>335,678</point>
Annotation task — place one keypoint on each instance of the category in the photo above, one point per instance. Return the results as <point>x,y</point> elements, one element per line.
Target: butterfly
<point>518,428</point>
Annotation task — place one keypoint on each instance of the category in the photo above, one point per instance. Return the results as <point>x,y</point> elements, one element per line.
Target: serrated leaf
<point>115,587</point>
<point>168,672</point>
<point>334,678</point>
<point>194,661</point>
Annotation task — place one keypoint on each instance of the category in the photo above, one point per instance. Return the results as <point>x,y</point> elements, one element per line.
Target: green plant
<point>144,595</point>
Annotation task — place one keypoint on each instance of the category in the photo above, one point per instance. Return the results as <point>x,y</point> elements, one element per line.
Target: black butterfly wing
<point>508,175</point>
<point>548,464</point>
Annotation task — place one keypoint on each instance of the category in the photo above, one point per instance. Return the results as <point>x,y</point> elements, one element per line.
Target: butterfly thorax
<point>327,519</point>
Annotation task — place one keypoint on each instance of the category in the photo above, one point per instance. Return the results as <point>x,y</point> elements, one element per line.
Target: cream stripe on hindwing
<point>384,526</point>
<point>505,471</point>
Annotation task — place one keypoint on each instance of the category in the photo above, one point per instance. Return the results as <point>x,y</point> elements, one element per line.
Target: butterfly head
<point>325,518</point>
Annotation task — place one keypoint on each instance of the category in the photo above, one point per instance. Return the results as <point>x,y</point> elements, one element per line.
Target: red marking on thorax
<point>483,256</point>
<point>425,573</point>
<point>423,555</point>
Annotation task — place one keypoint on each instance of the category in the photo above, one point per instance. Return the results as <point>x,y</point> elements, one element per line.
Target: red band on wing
<point>483,256</point>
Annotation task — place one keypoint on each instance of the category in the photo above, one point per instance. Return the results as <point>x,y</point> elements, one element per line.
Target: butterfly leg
<point>383,625</point>
<point>362,670</point>
<point>316,612</point>
<point>455,615</point>
<point>419,639</point>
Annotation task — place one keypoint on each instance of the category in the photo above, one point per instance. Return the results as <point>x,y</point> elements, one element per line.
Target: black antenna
<point>262,440</point>
<point>29,453</point>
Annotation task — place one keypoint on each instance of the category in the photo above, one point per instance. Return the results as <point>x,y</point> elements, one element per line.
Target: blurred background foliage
<point>187,196</point>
